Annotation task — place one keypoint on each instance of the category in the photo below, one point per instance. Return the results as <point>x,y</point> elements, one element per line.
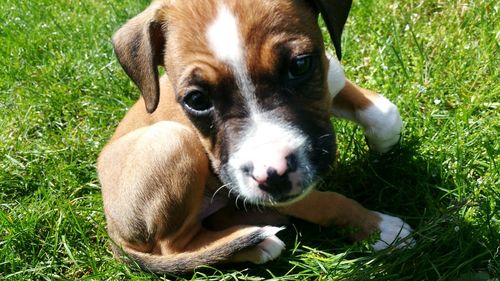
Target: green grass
<point>62,93</point>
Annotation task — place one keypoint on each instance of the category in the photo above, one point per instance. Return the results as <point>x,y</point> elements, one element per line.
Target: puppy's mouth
<point>256,196</point>
<point>290,199</point>
<point>275,189</point>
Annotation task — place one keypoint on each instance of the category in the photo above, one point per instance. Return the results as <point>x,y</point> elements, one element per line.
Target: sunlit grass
<point>62,93</point>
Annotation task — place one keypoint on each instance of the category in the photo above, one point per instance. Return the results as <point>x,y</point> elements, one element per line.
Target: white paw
<point>393,232</point>
<point>382,124</point>
<point>270,248</point>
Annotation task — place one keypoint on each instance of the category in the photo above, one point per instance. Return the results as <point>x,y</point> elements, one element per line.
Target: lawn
<point>62,93</point>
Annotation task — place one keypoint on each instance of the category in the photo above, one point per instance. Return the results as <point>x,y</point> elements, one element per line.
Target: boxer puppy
<point>242,115</point>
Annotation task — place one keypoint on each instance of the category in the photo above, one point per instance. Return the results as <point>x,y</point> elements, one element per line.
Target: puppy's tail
<point>221,249</point>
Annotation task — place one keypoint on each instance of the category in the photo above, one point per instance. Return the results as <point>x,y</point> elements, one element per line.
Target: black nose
<point>276,184</point>
<point>273,182</point>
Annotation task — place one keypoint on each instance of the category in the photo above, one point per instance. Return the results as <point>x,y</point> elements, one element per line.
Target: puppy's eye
<point>300,66</point>
<point>197,102</point>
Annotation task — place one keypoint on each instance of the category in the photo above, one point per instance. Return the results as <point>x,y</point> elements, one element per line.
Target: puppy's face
<point>251,77</point>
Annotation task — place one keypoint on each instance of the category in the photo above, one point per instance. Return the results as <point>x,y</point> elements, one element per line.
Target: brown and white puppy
<point>241,115</point>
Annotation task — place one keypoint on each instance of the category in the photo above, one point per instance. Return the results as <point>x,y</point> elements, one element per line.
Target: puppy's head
<point>252,78</point>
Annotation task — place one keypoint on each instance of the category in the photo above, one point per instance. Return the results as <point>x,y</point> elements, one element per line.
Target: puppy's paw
<point>269,249</point>
<point>393,232</point>
<point>383,125</point>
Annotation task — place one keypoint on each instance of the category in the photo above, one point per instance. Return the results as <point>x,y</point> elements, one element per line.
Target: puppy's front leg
<point>378,116</point>
<point>330,208</point>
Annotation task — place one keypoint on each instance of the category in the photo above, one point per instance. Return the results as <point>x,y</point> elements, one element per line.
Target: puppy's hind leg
<point>153,181</point>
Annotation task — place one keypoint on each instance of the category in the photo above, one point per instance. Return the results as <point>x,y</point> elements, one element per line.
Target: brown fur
<point>155,170</point>
<point>353,98</point>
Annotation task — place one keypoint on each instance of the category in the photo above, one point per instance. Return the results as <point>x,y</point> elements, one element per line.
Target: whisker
<point>257,205</point>
<point>219,189</point>
<point>236,201</point>
<point>245,204</point>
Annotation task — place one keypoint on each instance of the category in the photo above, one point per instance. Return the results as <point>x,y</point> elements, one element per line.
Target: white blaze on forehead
<point>225,42</point>
<point>224,37</point>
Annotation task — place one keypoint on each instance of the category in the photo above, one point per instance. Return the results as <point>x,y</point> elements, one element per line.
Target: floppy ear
<point>139,46</point>
<point>335,13</point>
